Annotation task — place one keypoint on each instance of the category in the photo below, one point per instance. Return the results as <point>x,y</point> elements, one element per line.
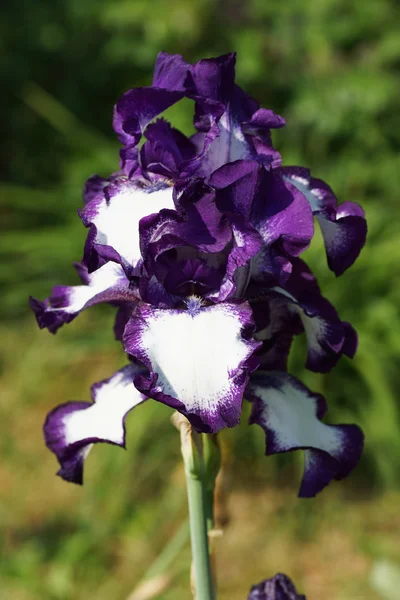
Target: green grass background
<point>331,68</point>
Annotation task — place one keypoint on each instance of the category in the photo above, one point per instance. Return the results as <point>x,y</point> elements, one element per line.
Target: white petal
<point>109,276</point>
<point>71,429</point>
<point>290,412</point>
<point>199,358</point>
<point>103,420</point>
<point>117,219</point>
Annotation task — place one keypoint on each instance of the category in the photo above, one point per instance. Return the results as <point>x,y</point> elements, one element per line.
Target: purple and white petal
<point>228,144</point>
<point>231,121</point>
<point>279,587</point>
<point>234,136</point>
<point>343,227</point>
<point>291,417</point>
<point>199,359</point>
<point>94,185</point>
<point>71,429</point>
<point>113,217</point>
<point>327,336</point>
<point>108,284</point>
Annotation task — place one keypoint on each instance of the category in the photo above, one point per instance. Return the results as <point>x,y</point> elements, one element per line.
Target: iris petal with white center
<point>71,429</point>
<point>327,336</point>
<point>108,284</point>
<point>114,216</point>
<point>199,359</point>
<point>291,417</point>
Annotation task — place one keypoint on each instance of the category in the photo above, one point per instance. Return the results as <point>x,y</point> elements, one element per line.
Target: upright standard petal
<point>107,284</point>
<point>113,217</point>
<point>291,417</point>
<point>274,208</point>
<point>71,429</point>
<point>343,227</point>
<point>199,359</point>
<point>230,124</point>
<point>171,72</point>
<point>239,131</point>
<point>137,107</point>
<point>279,587</point>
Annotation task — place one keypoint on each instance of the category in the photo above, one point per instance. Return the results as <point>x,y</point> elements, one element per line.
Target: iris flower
<point>197,241</point>
<point>278,587</point>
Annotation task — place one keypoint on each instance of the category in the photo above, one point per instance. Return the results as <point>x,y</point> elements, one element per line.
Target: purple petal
<point>170,72</point>
<point>95,184</point>
<point>71,429</point>
<point>213,78</point>
<point>153,292</point>
<point>198,224</point>
<point>192,276</point>
<point>130,161</point>
<point>262,121</point>
<point>276,327</point>
<point>199,231</point>
<point>107,284</point>
<point>165,149</point>
<point>275,209</point>
<point>123,315</point>
<point>279,587</point>
<point>199,359</point>
<point>234,129</point>
<point>343,227</point>
<point>137,107</point>
<point>246,244</point>
<point>291,417</point>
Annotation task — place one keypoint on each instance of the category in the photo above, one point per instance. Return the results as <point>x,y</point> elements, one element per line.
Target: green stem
<point>212,465</point>
<point>209,499</point>
<point>199,537</point>
<point>198,488</point>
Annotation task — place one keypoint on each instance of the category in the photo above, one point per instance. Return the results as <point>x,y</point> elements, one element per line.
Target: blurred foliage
<point>330,67</point>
